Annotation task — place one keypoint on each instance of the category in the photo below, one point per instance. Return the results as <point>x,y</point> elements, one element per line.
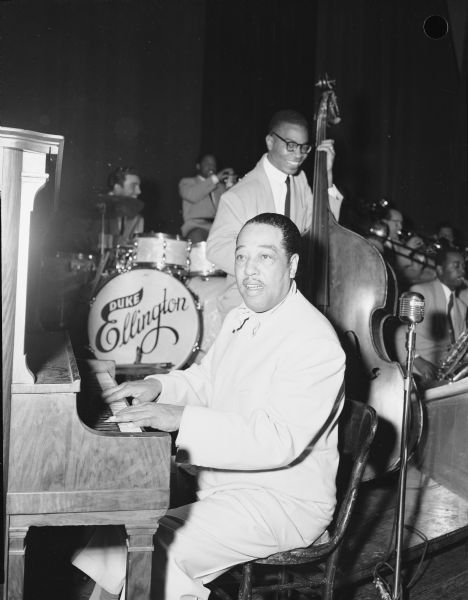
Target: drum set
<point>151,302</point>
<point>155,302</point>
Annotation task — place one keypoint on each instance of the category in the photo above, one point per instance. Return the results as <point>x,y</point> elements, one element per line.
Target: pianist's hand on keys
<point>144,412</point>
<point>142,391</point>
<point>165,417</point>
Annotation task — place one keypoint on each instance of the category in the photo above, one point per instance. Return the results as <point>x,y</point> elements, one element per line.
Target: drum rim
<point>159,234</point>
<point>202,243</point>
<point>194,350</point>
<point>154,266</point>
<point>213,273</point>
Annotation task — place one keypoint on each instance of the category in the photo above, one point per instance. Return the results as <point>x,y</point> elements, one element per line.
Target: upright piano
<point>59,467</point>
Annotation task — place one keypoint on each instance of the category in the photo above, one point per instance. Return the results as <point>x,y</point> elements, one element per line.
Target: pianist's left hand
<point>144,390</point>
<point>165,417</point>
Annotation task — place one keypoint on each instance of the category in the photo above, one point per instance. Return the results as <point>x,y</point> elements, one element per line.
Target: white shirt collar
<point>256,319</point>
<point>272,172</point>
<point>447,291</point>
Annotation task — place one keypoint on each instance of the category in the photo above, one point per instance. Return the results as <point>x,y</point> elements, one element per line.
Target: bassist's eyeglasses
<point>293,146</point>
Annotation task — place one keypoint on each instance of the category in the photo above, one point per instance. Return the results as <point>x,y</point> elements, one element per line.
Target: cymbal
<point>119,206</point>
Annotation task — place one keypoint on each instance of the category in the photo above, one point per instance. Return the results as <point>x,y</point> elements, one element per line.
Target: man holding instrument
<point>276,184</point>
<point>444,318</point>
<point>257,416</point>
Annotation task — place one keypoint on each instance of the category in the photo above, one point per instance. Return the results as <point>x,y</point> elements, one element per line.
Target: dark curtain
<point>401,94</point>
<point>403,98</point>
<point>259,57</point>
<point>152,83</point>
<point>121,80</point>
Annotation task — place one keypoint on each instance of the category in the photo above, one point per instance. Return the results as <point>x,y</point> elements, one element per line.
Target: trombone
<point>423,254</point>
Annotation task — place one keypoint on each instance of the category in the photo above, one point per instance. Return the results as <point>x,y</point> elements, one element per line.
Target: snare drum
<point>161,251</point>
<point>199,265</point>
<point>144,316</point>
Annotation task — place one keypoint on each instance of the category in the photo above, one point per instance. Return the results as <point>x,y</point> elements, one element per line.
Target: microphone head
<point>411,307</point>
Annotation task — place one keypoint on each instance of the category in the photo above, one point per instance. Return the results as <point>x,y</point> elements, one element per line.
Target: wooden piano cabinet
<point>140,527</point>
<point>57,470</point>
<point>62,472</point>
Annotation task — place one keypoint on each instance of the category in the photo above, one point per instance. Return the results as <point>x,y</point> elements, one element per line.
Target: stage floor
<point>436,520</point>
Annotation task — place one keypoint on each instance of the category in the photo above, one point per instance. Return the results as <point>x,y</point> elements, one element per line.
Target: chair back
<point>356,431</point>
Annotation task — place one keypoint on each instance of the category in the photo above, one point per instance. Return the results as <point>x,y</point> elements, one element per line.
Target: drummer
<point>121,207</point>
<point>200,197</point>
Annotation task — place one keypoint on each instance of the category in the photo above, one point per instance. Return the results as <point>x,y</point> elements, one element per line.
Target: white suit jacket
<point>263,393</point>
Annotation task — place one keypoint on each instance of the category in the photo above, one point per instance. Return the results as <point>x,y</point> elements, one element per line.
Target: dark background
<point>153,83</point>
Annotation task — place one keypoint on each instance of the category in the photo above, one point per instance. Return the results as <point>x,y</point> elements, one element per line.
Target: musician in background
<point>414,263</point>
<point>444,316</point>
<point>265,189</point>
<point>121,208</point>
<point>200,197</point>
<point>394,221</point>
<point>105,220</point>
<point>408,257</point>
<point>445,234</point>
<point>257,416</point>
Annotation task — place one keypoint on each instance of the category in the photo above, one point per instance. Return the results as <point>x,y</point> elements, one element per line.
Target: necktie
<point>450,318</point>
<point>287,202</point>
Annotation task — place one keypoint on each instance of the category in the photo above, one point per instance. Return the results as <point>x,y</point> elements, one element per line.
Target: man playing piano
<point>257,417</point>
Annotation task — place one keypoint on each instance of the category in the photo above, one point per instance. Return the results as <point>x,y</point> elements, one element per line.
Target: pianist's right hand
<point>142,391</point>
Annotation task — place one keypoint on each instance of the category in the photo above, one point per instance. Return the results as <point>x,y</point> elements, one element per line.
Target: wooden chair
<point>357,427</point>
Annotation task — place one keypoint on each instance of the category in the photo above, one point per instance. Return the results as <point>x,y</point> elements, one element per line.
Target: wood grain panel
<point>444,452</point>
<point>11,164</point>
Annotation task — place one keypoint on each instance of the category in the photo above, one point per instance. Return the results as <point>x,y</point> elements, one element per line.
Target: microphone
<point>411,307</point>
<point>411,311</point>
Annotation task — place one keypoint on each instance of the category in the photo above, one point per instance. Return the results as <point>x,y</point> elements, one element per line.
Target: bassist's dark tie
<point>287,202</point>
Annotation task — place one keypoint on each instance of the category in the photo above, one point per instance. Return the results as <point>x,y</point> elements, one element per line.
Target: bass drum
<point>208,291</point>
<point>144,316</point>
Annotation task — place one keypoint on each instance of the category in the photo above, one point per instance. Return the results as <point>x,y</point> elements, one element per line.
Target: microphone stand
<point>411,336</point>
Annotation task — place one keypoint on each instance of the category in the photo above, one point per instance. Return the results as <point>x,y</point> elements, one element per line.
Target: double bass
<point>351,284</point>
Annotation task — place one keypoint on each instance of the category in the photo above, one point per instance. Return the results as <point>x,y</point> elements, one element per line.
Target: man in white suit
<point>444,319</point>
<point>257,416</point>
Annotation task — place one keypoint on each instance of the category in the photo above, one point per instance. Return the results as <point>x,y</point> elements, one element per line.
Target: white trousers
<point>197,542</point>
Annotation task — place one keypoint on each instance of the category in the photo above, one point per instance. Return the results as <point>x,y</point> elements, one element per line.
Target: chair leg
<point>245,589</point>
<point>328,586</point>
<point>284,578</point>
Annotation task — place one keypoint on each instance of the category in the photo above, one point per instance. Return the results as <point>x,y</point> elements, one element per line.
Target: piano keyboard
<point>105,381</point>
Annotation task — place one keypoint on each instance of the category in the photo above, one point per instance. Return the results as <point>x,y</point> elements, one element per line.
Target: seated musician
<point>108,219</point>
<point>121,207</point>
<point>446,235</point>
<point>444,316</point>
<point>408,258</point>
<point>414,263</point>
<point>200,197</point>
<point>265,189</point>
<point>257,416</point>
